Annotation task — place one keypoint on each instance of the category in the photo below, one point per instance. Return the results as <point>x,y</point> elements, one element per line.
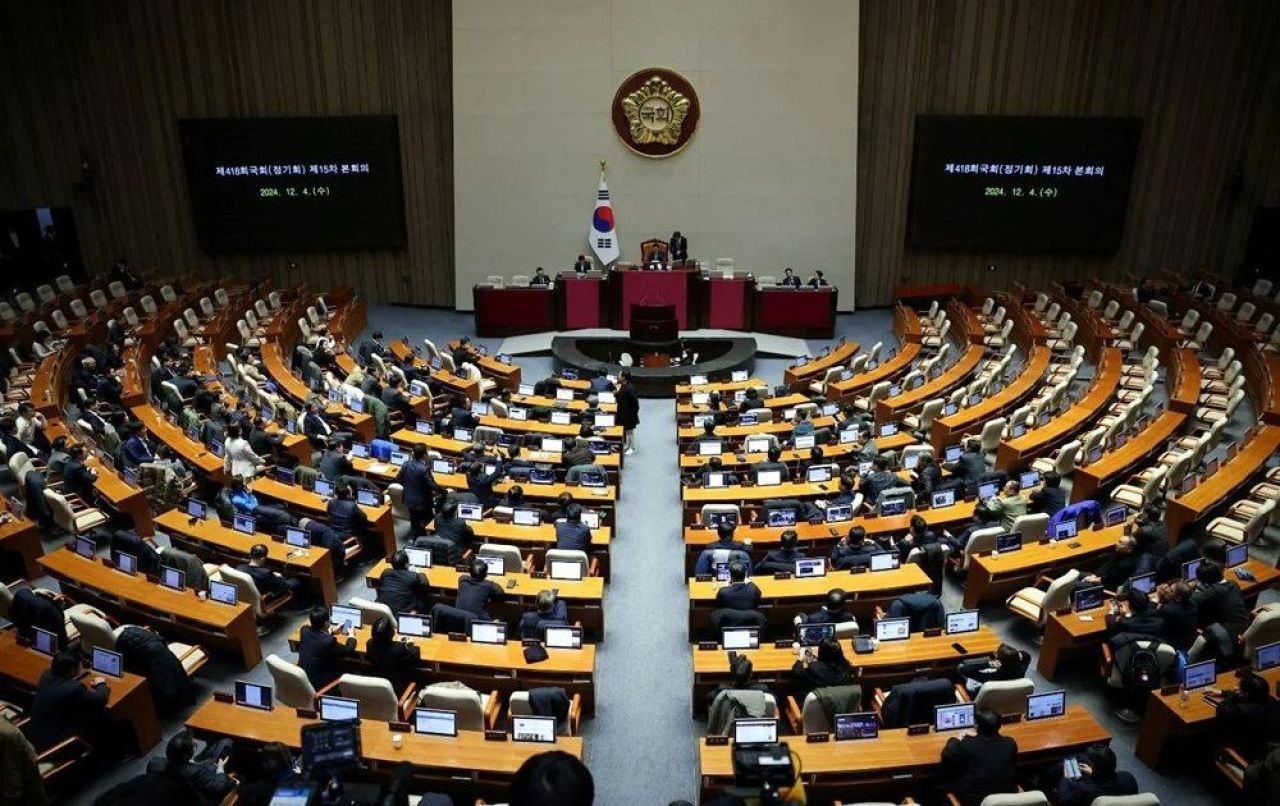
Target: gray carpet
<point>641,746</point>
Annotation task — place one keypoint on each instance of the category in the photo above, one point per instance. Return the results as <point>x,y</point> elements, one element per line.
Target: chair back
<point>1031,526</point>
<point>982,541</point>
<point>63,281</point>
<point>95,632</point>
<point>246,588</point>
<point>98,299</point>
<point>569,555</point>
<point>116,289</point>
<point>1140,799</point>
<point>371,611</point>
<point>1005,696</point>
<point>1058,595</point>
<point>376,696</point>
<point>512,561</point>
<point>62,514</point>
<point>1033,798</point>
<point>1265,627</point>
<point>292,688</point>
<point>77,307</point>
<point>992,433</point>
<point>220,294</point>
<point>465,702</point>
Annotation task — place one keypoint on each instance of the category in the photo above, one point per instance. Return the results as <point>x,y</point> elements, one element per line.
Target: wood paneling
<point>1203,74</point>
<point>110,80</point>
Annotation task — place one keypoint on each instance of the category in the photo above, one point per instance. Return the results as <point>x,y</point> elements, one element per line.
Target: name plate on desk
<point>782,575</point>
<point>782,643</point>
<point>917,730</point>
<point>932,632</point>
<point>495,735</point>
<point>709,645</point>
<point>817,738</point>
<point>717,741</point>
<point>537,574</point>
<point>458,636</point>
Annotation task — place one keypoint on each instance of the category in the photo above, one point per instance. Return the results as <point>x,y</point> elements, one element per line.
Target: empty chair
<point>261,309</point>
<point>274,300</point>
<point>1035,605</point>
<point>378,700</point>
<point>1245,314</point>
<point>59,320</point>
<point>1201,337</point>
<point>1212,414</point>
<point>495,280</point>
<point>1261,288</point>
<point>1227,301</point>
<point>1140,799</point>
<point>64,284</point>
<point>46,294</point>
<point>290,683</point>
<point>1001,338</point>
<point>78,309</point>
<point>512,561</point>
<point>1141,488</point>
<point>868,402</point>
<point>148,304</point>
<point>1094,300</point>
<point>6,312</point>
<point>221,297</point>
<point>206,308</point>
<point>1248,530</point>
<point>992,433</point>
<point>167,293</point>
<point>247,339</point>
<point>475,711</point>
<point>98,299</point>
<point>116,289</point>
<point>1130,342</point>
<point>1065,342</point>
<point>1005,697</point>
<point>74,518</point>
<point>1189,321</point>
<point>1109,312</point>
<point>820,387</point>
<point>26,303</point>
<point>940,339</point>
<point>1042,301</point>
<point>1031,527</point>
<point>1263,326</point>
<point>928,413</point>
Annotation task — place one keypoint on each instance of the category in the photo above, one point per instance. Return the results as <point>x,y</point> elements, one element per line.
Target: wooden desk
<point>485,667</point>
<point>784,599</point>
<point>542,401</point>
<point>22,537</point>
<point>506,375</point>
<point>440,443</point>
<point>959,373</point>
<point>1065,635</point>
<point>685,411</point>
<point>174,614</point>
<point>466,387</point>
<point>594,497</point>
<point>893,662</point>
<point>361,425</point>
<point>796,459</point>
<point>537,427</point>
<point>537,539</point>
<point>466,764</point>
<point>897,763</point>
<point>738,433</point>
<point>195,454</point>
<point>212,541</point>
<point>947,430</point>
<point>1018,452</point>
<point>1086,480</point>
<point>996,576</point>
<point>1182,375</point>
<point>584,596</point>
<point>131,501</point>
<point>128,701</point>
<point>799,378</point>
<point>895,367</point>
<point>1212,492</point>
<point>315,505</point>
<point>725,388</point>
<point>1168,718</point>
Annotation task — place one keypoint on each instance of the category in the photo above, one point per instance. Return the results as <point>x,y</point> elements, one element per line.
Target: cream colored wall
<point>769,179</point>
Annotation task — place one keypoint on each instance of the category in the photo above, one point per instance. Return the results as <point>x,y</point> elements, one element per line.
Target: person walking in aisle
<point>628,411</point>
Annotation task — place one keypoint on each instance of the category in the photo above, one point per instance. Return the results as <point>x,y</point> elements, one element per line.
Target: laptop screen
<point>1142,582</point>
<point>470,512</point>
<point>223,592</point>
<point>893,629</point>
<point>540,729</point>
<point>435,722</point>
<point>252,695</point>
<point>953,453</point>
<point>814,634</point>
<point>1088,598</point>
<point>1009,541</point>
<point>552,445</point>
<point>298,538</point>
<point>196,508</point>
<point>488,632</point>
<point>1267,656</point>
<point>86,547</point>
<point>1065,529</point>
<point>740,638</point>
<point>988,489</point>
<point>814,567</point>
<point>424,427</point>
<point>324,487</point>
<point>173,578</point>
<point>1114,516</point>
<point>893,506</point>
<point>344,616</point>
<point>782,517</point>
<point>526,517</point>
<point>243,523</point>
<point>563,637</point>
<point>839,512</point>
<point>819,474</point>
<point>566,569</point>
<point>1237,555</point>
<point>125,562</point>
<point>1199,675</point>
<point>856,726</point>
<point>943,498</point>
<point>44,641</point>
<point>497,565</point>
<point>953,717</point>
<point>360,450</point>
<point>884,561</point>
<point>1029,479</point>
<point>768,478</point>
<point>339,709</point>
<point>104,661</point>
<point>414,625</point>
<point>1049,704</point>
<point>962,621</point>
<point>368,498</point>
<point>755,731</point>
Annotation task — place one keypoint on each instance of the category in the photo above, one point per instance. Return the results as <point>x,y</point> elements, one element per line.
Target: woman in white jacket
<point>240,460</point>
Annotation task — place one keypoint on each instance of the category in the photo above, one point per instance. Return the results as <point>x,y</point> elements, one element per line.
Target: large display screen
<point>297,184</point>
<point>1021,184</point>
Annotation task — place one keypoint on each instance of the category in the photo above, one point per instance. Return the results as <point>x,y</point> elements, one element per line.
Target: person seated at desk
<point>1011,503</point>
<point>751,401</point>
<point>708,435</point>
<point>268,582</point>
<point>476,593</point>
<point>239,458</point>
<point>773,462</point>
<point>451,527</point>
<point>657,260</point>
<point>572,533</point>
<point>315,427</point>
<point>716,465</point>
<point>77,476</point>
<point>803,426</point>
<point>269,519</point>
<point>927,476</point>
<point>878,480</point>
<point>63,706</point>
<point>401,589</point>
<point>1139,622</point>
<point>57,457</point>
<point>789,279</point>
<point>389,658</point>
<point>970,467</point>
<point>147,654</point>
<point>420,488</point>
<point>1009,663</point>
<point>1218,601</point>
<point>1098,777</point>
<point>320,653</point>
<point>578,452</point>
<point>740,674</point>
<point>207,778</point>
<point>739,594</point>
<point>1126,562</point>
<point>847,490</point>
<point>371,346</point>
<point>829,668</point>
<point>1151,533</point>
<point>979,765</point>
<point>582,265</point>
<point>549,611</point>
<point>345,515</point>
<point>396,400</point>
<point>1050,498</point>
<point>724,542</point>
<point>784,557</point>
<point>1248,719</point>
<point>853,550</point>
<point>480,483</point>
<point>539,278</point>
<point>918,535</point>
<point>1181,625</point>
<point>29,427</point>
<point>136,449</point>
<point>33,608</point>
<point>817,279</point>
<point>832,611</point>
<point>923,608</point>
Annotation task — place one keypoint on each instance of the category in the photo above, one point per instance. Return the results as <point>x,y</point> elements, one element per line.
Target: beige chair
<point>1201,337</point>
<point>1219,369</point>
<point>247,592</point>
<point>292,688</point>
<point>184,335</point>
<point>1141,488</point>
<point>399,512</point>
<point>992,433</point>
<point>1031,527</point>
<point>475,711</point>
<point>220,295</point>
<point>371,611</point>
<point>938,340</point>
<point>820,387</point>
<point>78,309</point>
<point>96,632</point>
<point>512,560</point>
<point>1063,460</point>
<point>928,413</point>
<point>1246,531</point>
<point>518,705</point>
<point>377,699</point>
<point>719,509</point>
<point>64,284</point>
<point>811,716</point>
<point>72,515</point>
<point>1035,604</point>
<point>1005,696</point>
<point>982,541</point>
<point>1140,799</point>
<point>868,402</point>
<point>1033,798</point>
<point>1264,629</point>
<point>98,299</point>
<point>589,567</point>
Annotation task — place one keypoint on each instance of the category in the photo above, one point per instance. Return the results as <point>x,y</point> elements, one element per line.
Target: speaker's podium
<point>582,300</point>
<point>655,332</point>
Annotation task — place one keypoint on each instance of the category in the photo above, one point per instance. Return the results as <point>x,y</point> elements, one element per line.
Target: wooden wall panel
<point>1203,74</point>
<point>110,80</point>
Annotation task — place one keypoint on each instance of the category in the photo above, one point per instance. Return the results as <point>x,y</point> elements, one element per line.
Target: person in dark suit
<point>476,593</point>
<point>1140,622</point>
<point>582,265</point>
<point>396,400</point>
<point>335,465</point>
<point>817,280</point>
<point>927,475</point>
<point>320,651</point>
<point>1218,601</point>
<point>679,247</point>
<point>420,489</point>
<point>1181,624</point>
<point>976,766</point>
<point>572,533</point>
<point>314,426</point>
<point>1098,777</point>
<point>628,411</point>
<point>739,594</point>
<point>1248,719</point>
<point>1050,498</point>
<point>970,467</point>
<point>724,541</point>
<point>829,668</point>
<point>832,612</point>
<point>78,477</point>
<point>878,480</point>
<point>345,515</point>
<point>789,279</point>
<point>716,465</point>
<point>480,483</point>
<point>268,582</point>
<point>1010,663</point>
<point>371,346</point>
<point>63,706</point>
<point>784,557</point>
<point>402,589</point>
<point>205,778</point>
<point>773,461</point>
<point>453,528</point>
<point>551,611</point>
<point>389,658</point>
<point>853,550</point>
<point>136,449</point>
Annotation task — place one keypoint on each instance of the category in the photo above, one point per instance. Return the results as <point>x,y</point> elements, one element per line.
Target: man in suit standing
<point>789,278</point>
<point>628,411</point>
<point>971,465</point>
<point>739,594</point>
<point>679,248</point>
<point>976,766</point>
<point>582,265</point>
<point>420,487</point>
<point>370,346</point>
<point>320,652</point>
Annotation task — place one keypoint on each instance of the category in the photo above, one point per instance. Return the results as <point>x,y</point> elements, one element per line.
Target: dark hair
<point>918,523</point>
<point>741,670</point>
<point>419,451</point>
<point>829,651</point>
<point>77,450</point>
<point>1139,601</point>
<point>319,617</point>
<point>1008,655</point>
<point>65,664</point>
<point>835,600</point>
<point>574,512</point>
<point>479,570</point>
<point>450,508</point>
<point>383,631</point>
<point>709,427</point>
<point>987,722</point>
<point>1254,688</point>
<point>180,748</point>
<point>789,539</point>
<point>233,431</point>
<point>400,560</point>
<point>775,453</point>
<point>880,463</point>
<point>857,535</point>
<point>737,571</point>
<point>552,779</point>
<point>258,551</point>
<point>1209,572</point>
<point>377,334</point>
<point>724,531</point>
<point>1052,479</point>
<point>1102,760</point>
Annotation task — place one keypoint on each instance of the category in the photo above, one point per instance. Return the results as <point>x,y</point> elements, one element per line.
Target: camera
<point>760,770</point>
